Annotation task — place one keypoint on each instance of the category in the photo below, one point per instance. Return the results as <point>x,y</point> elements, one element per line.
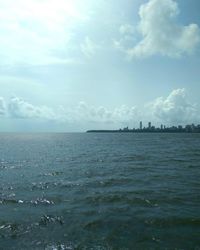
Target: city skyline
<point>189,128</point>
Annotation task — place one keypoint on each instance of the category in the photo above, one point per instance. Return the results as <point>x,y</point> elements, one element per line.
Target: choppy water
<point>100,191</point>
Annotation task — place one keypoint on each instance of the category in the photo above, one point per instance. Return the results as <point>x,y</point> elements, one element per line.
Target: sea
<point>99,191</point>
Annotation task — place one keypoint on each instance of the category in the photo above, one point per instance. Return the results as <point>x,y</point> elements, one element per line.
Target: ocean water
<point>99,191</point>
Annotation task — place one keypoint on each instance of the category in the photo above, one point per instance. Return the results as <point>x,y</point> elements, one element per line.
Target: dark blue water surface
<point>100,191</point>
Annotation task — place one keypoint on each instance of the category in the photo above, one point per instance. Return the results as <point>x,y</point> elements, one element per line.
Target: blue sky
<point>72,65</point>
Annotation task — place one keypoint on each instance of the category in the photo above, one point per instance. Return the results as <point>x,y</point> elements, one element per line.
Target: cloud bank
<point>18,108</point>
<point>173,109</point>
<point>160,32</point>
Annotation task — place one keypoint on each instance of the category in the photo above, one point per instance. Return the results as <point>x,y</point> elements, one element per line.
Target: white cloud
<point>127,37</point>
<point>120,115</point>
<point>118,44</point>
<point>36,32</point>
<point>161,33</point>
<point>88,47</point>
<point>175,108</point>
<point>126,114</point>
<point>126,29</point>
<point>18,108</point>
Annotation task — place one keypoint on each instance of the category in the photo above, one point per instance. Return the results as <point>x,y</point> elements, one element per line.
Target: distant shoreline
<point>141,131</point>
<point>151,129</point>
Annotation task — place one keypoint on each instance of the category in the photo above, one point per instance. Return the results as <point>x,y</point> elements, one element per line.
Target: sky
<point>74,65</point>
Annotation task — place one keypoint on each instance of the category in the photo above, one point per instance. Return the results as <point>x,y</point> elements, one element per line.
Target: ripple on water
<point>36,202</point>
<point>59,246</point>
<point>17,230</point>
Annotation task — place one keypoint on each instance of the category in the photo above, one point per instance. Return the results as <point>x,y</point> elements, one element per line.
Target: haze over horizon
<point>74,65</point>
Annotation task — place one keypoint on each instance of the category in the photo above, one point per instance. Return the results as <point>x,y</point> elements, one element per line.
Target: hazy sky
<point>72,65</point>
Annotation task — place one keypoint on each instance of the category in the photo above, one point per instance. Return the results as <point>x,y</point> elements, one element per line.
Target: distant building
<point>193,127</point>
<point>161,127</point>
<point>149,125</point>
<point>141,125</point>
<point>126,129</point>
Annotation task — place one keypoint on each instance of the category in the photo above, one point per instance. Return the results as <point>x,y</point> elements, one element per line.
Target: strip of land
<point>151,129</point>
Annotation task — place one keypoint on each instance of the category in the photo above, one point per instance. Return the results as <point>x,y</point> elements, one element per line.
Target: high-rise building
<point>149,125</point>
<point>141,125</point>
